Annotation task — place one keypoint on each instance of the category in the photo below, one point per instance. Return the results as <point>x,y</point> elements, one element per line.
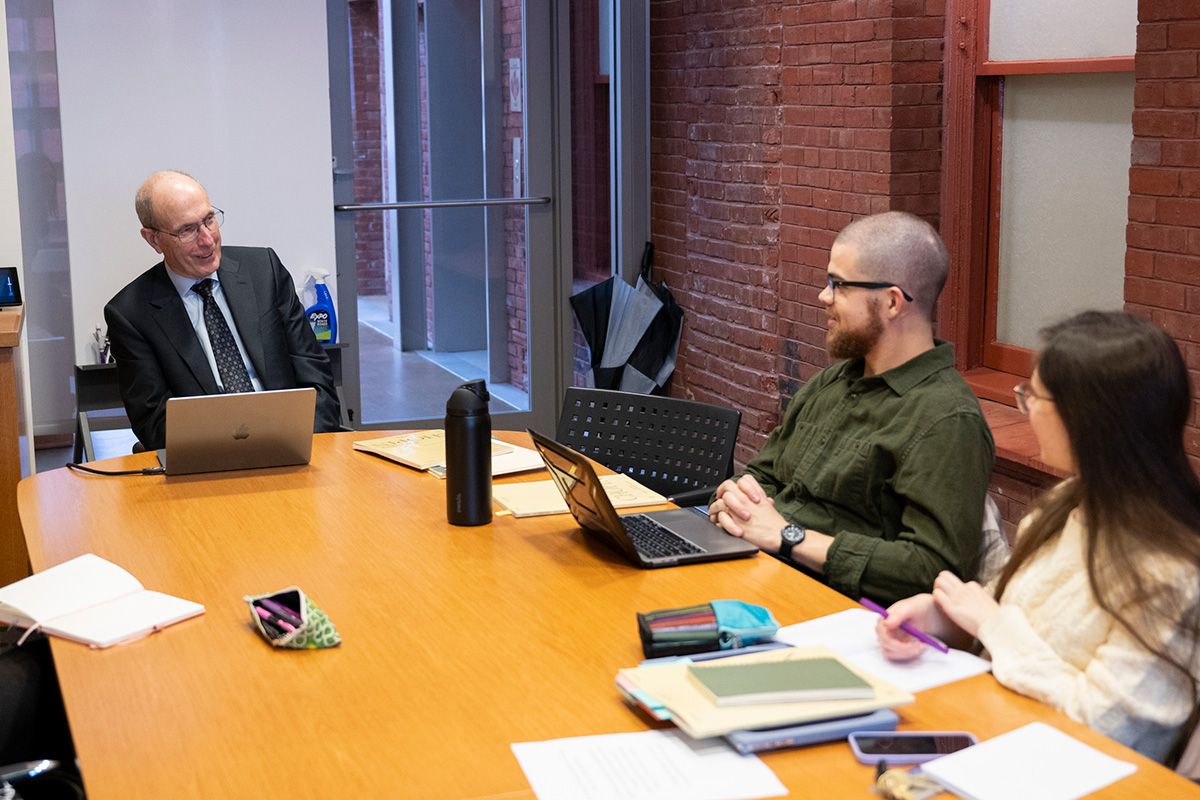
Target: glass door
<point>443,226</point>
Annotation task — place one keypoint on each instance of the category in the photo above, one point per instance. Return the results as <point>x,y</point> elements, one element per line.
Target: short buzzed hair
<point>900,248</point>
<point>143,202</point>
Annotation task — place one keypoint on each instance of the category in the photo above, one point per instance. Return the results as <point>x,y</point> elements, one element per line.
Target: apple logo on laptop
<point>241,431</point>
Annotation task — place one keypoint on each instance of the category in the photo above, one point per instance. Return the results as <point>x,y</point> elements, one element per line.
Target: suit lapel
<point>168,312</point>
<point>243,304</point>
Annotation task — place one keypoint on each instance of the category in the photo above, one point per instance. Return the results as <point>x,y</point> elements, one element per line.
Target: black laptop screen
<point>581,489</point>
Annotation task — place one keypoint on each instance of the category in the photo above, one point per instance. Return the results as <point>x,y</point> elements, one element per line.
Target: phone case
<point>902,757</point>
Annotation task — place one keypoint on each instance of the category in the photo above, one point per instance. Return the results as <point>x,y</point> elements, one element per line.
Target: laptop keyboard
<point>656,541</point>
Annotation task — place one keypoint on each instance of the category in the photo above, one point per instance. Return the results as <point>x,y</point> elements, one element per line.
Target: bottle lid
<point>469,400</point>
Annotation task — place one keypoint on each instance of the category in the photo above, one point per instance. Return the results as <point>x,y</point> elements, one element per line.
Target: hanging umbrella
<point>632,331</point>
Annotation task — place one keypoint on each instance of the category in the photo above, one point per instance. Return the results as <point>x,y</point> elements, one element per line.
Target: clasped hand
<point>743,509</point>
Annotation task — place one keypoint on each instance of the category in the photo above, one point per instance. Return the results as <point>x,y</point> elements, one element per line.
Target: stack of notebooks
<point>758,691</point>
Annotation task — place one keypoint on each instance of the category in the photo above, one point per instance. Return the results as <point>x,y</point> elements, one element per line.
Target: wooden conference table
<point>456,641</point>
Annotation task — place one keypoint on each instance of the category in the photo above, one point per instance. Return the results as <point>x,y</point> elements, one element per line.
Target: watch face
<point>793,534</point>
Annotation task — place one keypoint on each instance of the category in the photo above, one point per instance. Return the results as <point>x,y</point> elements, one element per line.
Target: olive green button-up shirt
<point>895,467</point>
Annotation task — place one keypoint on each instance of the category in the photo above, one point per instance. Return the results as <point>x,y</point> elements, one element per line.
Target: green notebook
<point>794,681</point>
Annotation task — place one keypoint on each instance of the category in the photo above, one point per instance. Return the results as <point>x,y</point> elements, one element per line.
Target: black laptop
<point>653,539</point>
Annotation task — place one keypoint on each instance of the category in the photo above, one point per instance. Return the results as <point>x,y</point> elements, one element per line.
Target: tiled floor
<point>416,385</point>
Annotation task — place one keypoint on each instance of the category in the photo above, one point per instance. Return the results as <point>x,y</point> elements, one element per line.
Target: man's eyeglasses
<point>1025,393</point>
<point>188,233</point>
<point>837,283</point>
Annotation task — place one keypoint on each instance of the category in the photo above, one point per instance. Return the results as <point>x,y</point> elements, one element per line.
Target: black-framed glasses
<point>1025,392</point>
<point>837,283</point>
<point>188,233</point>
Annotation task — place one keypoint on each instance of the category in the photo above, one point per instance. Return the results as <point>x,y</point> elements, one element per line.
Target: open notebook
<point>91,600</point>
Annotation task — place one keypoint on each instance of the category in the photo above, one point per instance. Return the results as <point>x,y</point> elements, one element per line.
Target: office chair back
<point>671,446</point>
<point>96,389</point>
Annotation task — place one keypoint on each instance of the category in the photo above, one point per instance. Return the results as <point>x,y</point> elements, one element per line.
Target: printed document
<point>648,765</point>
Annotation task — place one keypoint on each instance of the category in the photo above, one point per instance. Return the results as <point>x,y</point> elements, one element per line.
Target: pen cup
<point>289,619</point>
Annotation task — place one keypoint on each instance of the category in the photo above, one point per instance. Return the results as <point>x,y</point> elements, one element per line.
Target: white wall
<point>234,92</point>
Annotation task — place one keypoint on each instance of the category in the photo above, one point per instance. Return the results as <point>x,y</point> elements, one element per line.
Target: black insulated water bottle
<point>469,455</point>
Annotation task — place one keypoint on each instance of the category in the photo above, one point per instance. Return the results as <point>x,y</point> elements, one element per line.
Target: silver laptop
<point>212,433</point>
<point>652,539</point>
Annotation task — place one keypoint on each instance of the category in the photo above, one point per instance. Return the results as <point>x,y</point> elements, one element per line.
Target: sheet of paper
<point>648,765</point>
<point>539,498</point>
<point>851,634</point>
<point>1049,765</point>
<point>517,459</point>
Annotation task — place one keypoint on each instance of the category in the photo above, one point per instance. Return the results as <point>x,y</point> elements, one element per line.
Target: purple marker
<point>904,626</point>
<point>274,619</point>
<point>281,610</point>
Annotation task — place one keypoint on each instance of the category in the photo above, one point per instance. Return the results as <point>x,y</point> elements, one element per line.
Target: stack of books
<point>757,691</point>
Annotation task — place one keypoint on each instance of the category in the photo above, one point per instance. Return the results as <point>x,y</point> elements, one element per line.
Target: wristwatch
<point>791,535</point>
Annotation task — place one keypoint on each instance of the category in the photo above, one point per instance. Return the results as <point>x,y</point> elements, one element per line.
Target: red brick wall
<point>369,146</point>
<point>1162,262</point>
<point>514,217</point>
<point>590,198</point>
<point>772,126</point>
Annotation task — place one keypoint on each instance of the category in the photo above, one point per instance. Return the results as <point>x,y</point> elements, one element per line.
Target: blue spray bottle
<point>321,314</point>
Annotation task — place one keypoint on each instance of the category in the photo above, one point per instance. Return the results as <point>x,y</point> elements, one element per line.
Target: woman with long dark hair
<point>1097,612</point>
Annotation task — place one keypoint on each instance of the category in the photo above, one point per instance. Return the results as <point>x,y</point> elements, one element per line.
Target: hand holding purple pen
<point>911,630</point>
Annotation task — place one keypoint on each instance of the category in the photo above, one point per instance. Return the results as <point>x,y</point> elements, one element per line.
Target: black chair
<point>96,390</point>
<point>679,448</point>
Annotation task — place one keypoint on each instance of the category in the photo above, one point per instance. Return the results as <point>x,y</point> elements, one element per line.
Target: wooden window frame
<point>970,194</point>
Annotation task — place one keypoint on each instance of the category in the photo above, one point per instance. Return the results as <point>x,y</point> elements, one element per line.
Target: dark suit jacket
<point>159,356</point>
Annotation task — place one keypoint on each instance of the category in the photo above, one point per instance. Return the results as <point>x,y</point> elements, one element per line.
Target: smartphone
<point>907,747</point>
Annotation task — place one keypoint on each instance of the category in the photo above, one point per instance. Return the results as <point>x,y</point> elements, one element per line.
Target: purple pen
<point>904,626</point>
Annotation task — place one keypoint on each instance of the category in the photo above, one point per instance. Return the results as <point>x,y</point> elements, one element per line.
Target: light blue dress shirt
<point>194,304</point>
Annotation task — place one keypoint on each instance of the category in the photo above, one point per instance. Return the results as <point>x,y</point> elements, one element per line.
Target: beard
<point>842,342</point>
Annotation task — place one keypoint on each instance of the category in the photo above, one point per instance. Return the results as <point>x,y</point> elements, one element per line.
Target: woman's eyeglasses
<point>1025,393</point>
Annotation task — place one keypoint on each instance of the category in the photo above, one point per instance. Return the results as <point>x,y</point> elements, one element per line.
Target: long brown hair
<point>1121,389</point>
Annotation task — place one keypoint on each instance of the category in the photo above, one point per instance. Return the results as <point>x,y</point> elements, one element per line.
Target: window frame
<point>972,139</point>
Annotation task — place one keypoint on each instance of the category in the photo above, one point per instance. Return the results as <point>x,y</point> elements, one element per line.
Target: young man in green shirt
<point>877,476</point>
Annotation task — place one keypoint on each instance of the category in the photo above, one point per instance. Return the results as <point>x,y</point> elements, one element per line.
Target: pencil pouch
<point>718,625</point>
<point>288,618</point>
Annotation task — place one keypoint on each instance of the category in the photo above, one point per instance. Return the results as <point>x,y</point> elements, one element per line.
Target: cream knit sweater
<point>1050,641</point>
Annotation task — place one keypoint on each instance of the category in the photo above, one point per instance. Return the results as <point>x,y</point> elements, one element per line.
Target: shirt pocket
<point>837,469</point>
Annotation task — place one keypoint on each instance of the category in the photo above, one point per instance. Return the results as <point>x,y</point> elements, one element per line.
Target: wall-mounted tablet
<point>10,287</point>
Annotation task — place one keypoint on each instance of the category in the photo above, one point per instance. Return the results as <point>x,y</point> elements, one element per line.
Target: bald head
<point>180,223</point>
<point>143,203</point>
<point>900,248</point>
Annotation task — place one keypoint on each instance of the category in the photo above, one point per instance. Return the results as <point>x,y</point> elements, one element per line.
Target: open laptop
<point>652,539</point>
<point>216,432</point>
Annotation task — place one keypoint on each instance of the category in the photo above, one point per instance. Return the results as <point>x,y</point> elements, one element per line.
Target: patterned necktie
<point>229,361</point>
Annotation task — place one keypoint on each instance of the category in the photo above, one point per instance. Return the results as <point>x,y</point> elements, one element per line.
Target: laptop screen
<point>582,490</point>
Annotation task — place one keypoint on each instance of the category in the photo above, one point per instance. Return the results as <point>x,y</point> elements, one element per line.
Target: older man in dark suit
<point>206,320</point>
